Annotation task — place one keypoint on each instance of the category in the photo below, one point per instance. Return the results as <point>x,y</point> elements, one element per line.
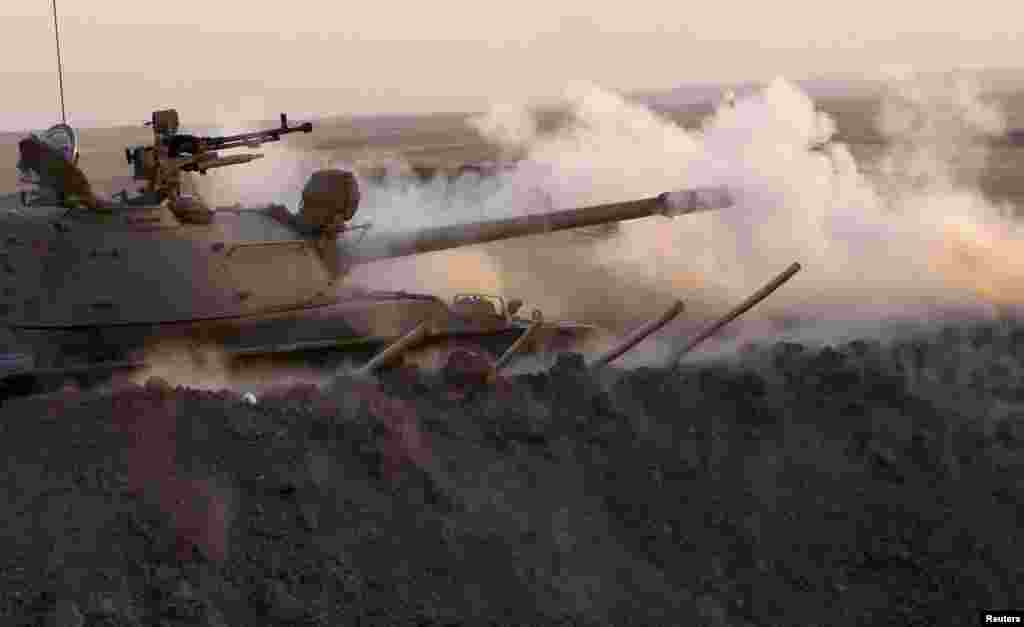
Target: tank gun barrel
<point>669,204</point>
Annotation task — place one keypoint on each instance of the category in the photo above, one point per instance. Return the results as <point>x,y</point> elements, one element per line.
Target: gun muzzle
<point>697,199</point>
<point>305,127</point>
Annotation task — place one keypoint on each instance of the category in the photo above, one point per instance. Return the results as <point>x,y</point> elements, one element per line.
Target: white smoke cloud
<point>872,248</point>
<point>896,244</point>
<point>933,125</point>
<point>276,178</point>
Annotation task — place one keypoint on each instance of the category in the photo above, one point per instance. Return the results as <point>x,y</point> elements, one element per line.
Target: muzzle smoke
<point>911,241</point>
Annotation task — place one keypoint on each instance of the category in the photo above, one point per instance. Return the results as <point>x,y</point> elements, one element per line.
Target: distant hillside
<point>707,93</point>
<point>998,80</point>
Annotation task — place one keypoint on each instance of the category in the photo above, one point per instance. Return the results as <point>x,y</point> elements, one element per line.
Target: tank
<point>89,285</point>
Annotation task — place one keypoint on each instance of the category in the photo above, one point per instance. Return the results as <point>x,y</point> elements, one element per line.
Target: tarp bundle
<point>49,160</point>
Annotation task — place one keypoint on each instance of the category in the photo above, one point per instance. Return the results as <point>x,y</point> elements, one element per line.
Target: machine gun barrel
<point>441,238</point>
<point>245,139</point>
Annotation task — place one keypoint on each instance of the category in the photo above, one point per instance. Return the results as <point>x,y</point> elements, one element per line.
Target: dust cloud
<point>208,367</point>
<point>910,242</point>
<point>914,242</point>
<point>800,197</point>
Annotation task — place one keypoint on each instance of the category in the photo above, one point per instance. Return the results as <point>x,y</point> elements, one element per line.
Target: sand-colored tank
<point>88,284</point>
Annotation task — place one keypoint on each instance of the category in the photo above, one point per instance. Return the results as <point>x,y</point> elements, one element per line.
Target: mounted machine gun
<point>172,153</point>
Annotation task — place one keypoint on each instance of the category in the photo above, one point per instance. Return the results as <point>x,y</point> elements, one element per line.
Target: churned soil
<point>861,484</point>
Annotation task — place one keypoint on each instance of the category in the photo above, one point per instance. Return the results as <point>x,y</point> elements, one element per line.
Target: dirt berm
<point>864,485</point>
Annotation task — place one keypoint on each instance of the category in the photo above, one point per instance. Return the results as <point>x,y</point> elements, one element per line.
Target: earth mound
<point>858,484</point>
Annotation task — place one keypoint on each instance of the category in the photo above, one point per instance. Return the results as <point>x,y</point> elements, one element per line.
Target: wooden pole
<point>638,336</point>
<point>736,312</point>
<point>538,322</point>
<point>396,349</point>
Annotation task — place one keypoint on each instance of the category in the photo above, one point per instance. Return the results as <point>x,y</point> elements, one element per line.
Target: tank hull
<point>352,328</point>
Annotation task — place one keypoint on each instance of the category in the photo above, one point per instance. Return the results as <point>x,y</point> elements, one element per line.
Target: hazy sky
<point>220,58</point>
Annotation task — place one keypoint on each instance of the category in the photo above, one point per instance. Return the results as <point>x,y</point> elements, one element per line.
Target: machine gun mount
<point>172,153</point>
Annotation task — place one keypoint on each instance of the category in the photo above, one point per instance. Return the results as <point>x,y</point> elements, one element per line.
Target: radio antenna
<point>60,68</point>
